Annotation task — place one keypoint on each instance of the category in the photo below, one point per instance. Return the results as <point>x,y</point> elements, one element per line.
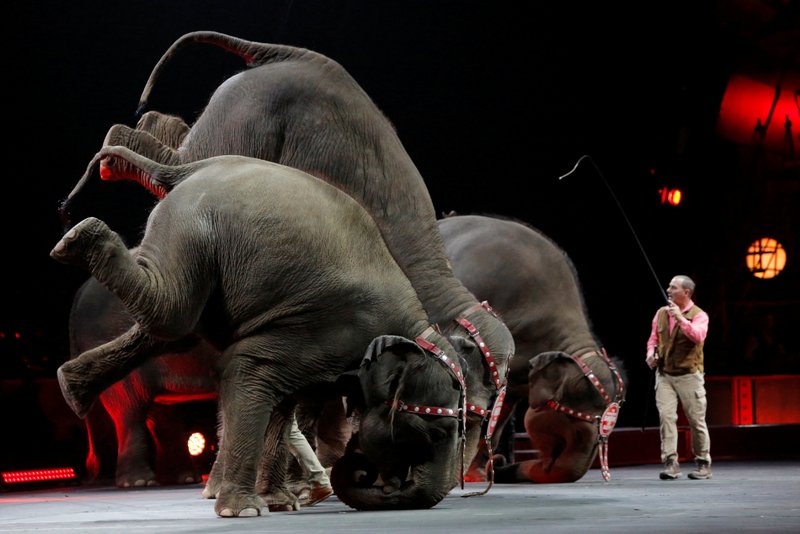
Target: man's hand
<point>651,360</point>
<point>674,311</point>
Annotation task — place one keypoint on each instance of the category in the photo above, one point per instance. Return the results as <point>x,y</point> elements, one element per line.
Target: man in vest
<point>675,350</point>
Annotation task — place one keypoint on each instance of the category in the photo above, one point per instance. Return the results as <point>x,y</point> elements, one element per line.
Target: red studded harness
<point>455,368</point>
<point>606,421</point>
<point>500,386</point>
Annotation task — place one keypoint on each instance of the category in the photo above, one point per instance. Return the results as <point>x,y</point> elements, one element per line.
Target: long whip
<point>636,237</point>
<point>641,248</point>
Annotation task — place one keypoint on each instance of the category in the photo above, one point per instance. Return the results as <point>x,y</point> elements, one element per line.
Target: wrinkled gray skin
<point>125,422</point>
<point>299,108</point>
<point>291,299</point>
<point>533,284</point>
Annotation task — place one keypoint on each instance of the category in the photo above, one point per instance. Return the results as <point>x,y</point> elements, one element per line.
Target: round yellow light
<point>766,258</point>
<point>196,444</point>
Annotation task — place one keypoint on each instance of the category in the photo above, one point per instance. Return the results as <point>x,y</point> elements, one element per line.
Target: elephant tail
<point>122,163</point>
<point>253,53</point>
<point>66,204</point>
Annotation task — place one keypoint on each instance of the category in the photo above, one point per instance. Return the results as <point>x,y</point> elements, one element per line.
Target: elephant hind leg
<point>150,294</point>
<point>248,395</point>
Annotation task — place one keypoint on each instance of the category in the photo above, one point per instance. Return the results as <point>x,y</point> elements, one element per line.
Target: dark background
<point>492,101</point>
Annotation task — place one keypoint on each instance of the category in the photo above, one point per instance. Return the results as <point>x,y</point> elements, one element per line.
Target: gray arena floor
<point>741,497</point>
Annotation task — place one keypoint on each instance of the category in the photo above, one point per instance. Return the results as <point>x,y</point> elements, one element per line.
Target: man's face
<point>676,293</point>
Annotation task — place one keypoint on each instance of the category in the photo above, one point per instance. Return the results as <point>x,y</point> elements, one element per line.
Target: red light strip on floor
<point>38,475</point>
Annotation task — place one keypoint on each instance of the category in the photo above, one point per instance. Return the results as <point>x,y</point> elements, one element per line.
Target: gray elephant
<point>299,108</point>
<point>485,251</point>
<point>292,297</point>
<point>533,283</point>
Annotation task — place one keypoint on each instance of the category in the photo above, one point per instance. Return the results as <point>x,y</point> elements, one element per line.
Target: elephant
<point>293,298</point>
<point>299,108</point>
<point>533,283</point>
<point>531,262</point>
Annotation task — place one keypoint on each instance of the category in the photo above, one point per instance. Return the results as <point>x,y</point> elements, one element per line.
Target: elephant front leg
<point>84,378</point>
<point>247,404</point>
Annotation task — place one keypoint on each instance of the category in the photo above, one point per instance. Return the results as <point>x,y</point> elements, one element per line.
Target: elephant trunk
<point>358,484</point>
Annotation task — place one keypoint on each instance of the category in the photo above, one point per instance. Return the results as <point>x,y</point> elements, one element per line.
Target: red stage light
<point>671,196</point>
<point>38,475</point>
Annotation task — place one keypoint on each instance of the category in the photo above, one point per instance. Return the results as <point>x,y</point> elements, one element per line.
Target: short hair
<point>686,283</point>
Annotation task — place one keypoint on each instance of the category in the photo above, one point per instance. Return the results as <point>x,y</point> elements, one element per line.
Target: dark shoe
<point>701,472</point>
<point>671,470</point>
<point>317,493</point>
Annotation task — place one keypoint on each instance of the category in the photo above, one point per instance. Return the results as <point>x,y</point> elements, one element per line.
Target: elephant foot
<point>74,247</point>
<point>214,482</point>
<point>281,500</point>
<point>135,477</point>
<point>70,379</point>
<point>211,489</point>
<point>137,483</point>
<point>232,504</point>
<point>189,478</point>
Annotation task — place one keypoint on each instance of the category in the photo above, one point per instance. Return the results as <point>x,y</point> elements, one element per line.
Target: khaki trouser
<point>298,445</point>
<point>691,392</point>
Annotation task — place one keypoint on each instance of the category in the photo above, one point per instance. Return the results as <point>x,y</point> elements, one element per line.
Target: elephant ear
<point>544,380</point>
<point>463,344</point>
<point>377,373</point>
<point>542,360</point>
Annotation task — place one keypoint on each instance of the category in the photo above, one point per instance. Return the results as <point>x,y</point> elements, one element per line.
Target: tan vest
<point>678,355</point>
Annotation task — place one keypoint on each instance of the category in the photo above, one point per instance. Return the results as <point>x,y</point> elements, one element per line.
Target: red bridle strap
<point>421,409</point>
<point>606,421</point>
<point>453,366</point>
<point>473,332</point>
<point>440,354</point>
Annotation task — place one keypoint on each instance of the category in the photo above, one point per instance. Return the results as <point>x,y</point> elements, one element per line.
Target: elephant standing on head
<point>292,297</point>
<point>301,109</point>
<point>533,284</point>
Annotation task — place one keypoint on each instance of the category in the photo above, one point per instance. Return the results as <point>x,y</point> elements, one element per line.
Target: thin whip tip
<point>575,167</point>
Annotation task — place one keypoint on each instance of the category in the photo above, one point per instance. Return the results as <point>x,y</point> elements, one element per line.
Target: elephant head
<point>573,405</point>
<point>406,449</point>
